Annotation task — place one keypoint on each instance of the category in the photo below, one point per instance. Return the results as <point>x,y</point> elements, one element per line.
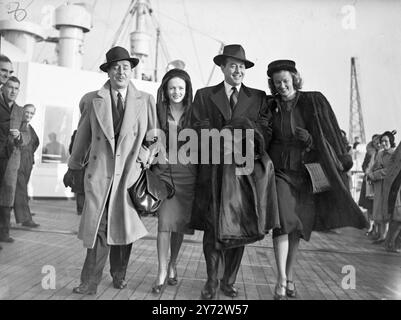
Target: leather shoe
<point>172,281</point>
<point>291,292</point>
<point>119,284</point>
<point>84,288</point>
<point>378,241</point>
<point>158,288</point>
<point>9,240</point>
<point>280,292</point>
<point>30,224</point>
<point>229,290</point>
<point>209,291</point>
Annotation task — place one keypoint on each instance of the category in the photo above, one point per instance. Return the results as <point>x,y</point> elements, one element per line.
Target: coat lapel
<point>244,102</point>
<point>102,107</point>
<point>3,104</point>
<point>219,98</point>
<point>133,108</point>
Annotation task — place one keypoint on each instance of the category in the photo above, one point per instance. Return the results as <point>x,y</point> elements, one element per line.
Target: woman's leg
<point>176,242</point>
<point>293,240</point>
<point>163,244</point>
<point>394,231</point>
<point>281,244</point>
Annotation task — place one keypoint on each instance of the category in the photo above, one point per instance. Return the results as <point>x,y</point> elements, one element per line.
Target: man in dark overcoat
<point>213,108</point>
<point>11,116</point>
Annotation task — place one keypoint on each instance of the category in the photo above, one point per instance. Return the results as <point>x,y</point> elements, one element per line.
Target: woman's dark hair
<point>390,136</point>
<point>297,82</point>
<point>163,100</point>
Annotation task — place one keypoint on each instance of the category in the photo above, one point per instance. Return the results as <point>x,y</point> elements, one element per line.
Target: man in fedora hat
<point>213,108</point>
<point>113,126</point>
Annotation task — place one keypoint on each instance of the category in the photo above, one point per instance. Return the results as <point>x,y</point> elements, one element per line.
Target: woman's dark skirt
<point>296,204</point>
<point>175,213</point>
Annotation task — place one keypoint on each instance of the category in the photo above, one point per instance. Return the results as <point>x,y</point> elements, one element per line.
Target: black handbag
<point>149,191</point>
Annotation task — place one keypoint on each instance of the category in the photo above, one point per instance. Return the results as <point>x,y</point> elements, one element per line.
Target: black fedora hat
<point>280,65</point>
<point>118,54</point>
<point>235,51</point>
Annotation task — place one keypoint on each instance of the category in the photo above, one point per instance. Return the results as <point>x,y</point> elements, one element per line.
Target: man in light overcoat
<point>113,125</point>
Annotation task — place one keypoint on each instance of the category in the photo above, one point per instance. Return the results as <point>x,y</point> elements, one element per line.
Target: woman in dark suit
<point>305,130</point>
<point>174,102</point>
<point>21,202</point>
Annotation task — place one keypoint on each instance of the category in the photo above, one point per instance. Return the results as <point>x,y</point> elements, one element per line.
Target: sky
<point>320,35</point>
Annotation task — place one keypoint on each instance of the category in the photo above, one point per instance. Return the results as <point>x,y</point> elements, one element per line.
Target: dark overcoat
<point>392,184</point>
<point>335,208</point>
<point>211,110</point>
<point>10,154</point>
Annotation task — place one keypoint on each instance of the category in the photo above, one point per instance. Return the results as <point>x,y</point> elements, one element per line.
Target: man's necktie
<point>120,107</point>
<point>234,97</point>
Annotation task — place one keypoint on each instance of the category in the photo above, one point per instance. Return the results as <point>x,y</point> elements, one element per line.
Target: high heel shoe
<point>172,281</point>
<point>292,293</point>
<point>158,288</point>
<point>280,292</point>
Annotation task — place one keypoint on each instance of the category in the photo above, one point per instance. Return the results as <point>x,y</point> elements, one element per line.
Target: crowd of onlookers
<point>383,213</point>
<point>18,142</point>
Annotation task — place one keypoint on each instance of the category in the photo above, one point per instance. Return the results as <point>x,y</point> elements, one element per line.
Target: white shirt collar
<point>228,88</point>
<point>123,94</point>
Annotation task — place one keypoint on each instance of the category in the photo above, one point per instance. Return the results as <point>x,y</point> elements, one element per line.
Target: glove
<point>74,180</point>
<point>302,134</point>
<point>68,179</point>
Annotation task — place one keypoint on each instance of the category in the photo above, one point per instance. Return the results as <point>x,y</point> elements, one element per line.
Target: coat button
<point>94,157</point>
<point>98,138</point>
<point>89,176</point>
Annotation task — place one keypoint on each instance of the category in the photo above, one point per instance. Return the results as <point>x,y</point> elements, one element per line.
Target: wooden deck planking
<point>317,274</point>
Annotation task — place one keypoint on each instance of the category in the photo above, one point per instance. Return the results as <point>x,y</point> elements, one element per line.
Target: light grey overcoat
<point>112,168</point>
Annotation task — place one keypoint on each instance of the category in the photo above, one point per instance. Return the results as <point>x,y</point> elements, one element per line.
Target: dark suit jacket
<point>211,110</point>
<point>9,118</point>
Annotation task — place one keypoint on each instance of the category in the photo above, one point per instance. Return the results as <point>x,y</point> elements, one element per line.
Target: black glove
<point>346,161</point>
<point>68,179</point>
<point>75,180</point>
<point>303,135</point>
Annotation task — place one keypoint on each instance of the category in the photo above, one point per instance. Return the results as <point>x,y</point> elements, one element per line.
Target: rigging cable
<point>193,42</point>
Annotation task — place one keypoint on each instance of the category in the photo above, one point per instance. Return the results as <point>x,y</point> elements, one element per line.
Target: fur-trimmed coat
<point>335,208</point>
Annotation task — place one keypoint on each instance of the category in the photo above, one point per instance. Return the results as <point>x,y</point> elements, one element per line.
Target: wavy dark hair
<point>163,100</point>
<point>297,82</point>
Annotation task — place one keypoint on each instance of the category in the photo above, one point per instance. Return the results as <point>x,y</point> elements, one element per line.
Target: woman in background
<point>376,175</point>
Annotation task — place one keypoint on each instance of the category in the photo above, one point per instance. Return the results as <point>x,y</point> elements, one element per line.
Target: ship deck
<point>323,268</point>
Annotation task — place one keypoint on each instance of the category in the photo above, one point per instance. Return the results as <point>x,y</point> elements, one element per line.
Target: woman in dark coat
<point>303,127</point>
<point>21,202</point>
<point>174,102</point>
<point>377,175</point>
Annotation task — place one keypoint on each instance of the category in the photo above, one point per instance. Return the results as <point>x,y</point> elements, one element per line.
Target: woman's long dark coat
<point>335,208</point>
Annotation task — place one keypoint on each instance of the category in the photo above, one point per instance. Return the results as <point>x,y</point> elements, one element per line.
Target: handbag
<point>320,182</point>
<point>149,191</point>
<point>370,191</point>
